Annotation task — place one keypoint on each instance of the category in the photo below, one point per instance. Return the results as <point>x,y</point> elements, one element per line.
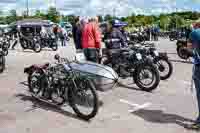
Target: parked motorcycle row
<point>142,62</point>
<point>73,82</point>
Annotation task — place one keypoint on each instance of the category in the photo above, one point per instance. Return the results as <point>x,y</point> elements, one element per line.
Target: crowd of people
<point>87,36</point>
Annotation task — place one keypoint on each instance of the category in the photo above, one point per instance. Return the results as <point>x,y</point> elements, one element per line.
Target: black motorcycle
<point>181,46</point>
<point>139,37</point>
<point>5,44</point>
<point>145,74</point>
<point>32,43</point>
<point>2,62</point>
<point>161,60</point>
<point>56,84</point>
<point>50,42</point>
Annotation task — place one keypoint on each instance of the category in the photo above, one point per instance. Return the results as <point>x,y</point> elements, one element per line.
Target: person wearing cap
<point>194,44</point>
<point>114,41</point>
<point>91,40</point>
<point>76,33</point>
<point>114,33</point>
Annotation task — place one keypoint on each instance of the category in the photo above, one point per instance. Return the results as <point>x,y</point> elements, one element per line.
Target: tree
<point>39,14</point>
<point>1,13</point>
<point>164,21</point>
<point>176,22</point>
<point>100,18</point>
<point>195,16</point>
<point>53,15</point>
<point>108,17</point>
<point>12,17</point>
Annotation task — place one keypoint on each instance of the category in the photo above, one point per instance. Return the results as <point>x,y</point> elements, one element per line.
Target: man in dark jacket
<point>114,41</point>
<point>114,37</point>
<point>76,33</point>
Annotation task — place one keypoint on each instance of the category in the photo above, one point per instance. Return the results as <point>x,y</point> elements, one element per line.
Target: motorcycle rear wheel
<point>162,68</point>
<point>182,54</point>
<point>2,63</point>
<point>37,47</point>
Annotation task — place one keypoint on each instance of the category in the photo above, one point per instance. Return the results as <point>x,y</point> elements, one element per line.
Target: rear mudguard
<point>30,70</point>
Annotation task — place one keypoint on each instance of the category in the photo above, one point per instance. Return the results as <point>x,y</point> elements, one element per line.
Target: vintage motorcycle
<point>133,63</point>
<point>181,46</point>
<point>58,83</point>
<point>50,42</point>
<point>161,60</point>
<point>2,62</point>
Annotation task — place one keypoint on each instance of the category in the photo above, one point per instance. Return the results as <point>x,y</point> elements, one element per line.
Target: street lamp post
<point>27,6</point>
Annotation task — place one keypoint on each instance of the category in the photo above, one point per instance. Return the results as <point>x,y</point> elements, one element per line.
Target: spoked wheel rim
<point>84,98</point>
<point>1,63</point>
<point>37,47</point>
<point>146,77</point>
<point>163,68</point>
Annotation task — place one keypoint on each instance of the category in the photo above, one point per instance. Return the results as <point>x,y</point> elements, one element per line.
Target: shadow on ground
<point>45,106</point>
<point>128,86</point>
<point>158,116</point>
<point>181,61</point>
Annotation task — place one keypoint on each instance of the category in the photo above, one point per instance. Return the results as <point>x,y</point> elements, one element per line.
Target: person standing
<point>76,38</point>
<point>194,43</point>
<point>79,30</point>
<point>91,40</point>
<point>61,36</point>
<point>15,37</point>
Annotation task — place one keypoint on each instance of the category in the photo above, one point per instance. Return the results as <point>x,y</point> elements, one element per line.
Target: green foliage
<point>53,15</point>
<point>100,18</point>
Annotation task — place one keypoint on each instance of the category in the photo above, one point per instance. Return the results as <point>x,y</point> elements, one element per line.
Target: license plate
<point>156,53</point>
<point>139,56</point>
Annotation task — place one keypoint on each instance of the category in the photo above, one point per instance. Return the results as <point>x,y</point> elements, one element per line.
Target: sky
<point>102,7</point>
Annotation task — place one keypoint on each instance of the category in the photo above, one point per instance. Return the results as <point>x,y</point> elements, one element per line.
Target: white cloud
<point>93,7</point>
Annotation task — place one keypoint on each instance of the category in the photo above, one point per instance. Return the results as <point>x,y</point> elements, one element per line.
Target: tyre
<point>143,72</point>
<point>34,83</point>
<point>5,52</point>
<point>181,53</point>
<point>165,67</point>
<point>77,96</point>
<point>2,63</point>
<point>54,47</point>
<point>37,48</point>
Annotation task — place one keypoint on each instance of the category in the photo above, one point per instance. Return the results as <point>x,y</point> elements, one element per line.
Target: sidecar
<point>104,78</point>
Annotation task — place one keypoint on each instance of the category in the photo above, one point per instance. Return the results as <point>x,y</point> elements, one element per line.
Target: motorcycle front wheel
<point>84,99</point>
<point>37,47</point>
<point>54,47</point>
<point>165,68</point>
<point>147,77</point>
<point>2,63</point>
